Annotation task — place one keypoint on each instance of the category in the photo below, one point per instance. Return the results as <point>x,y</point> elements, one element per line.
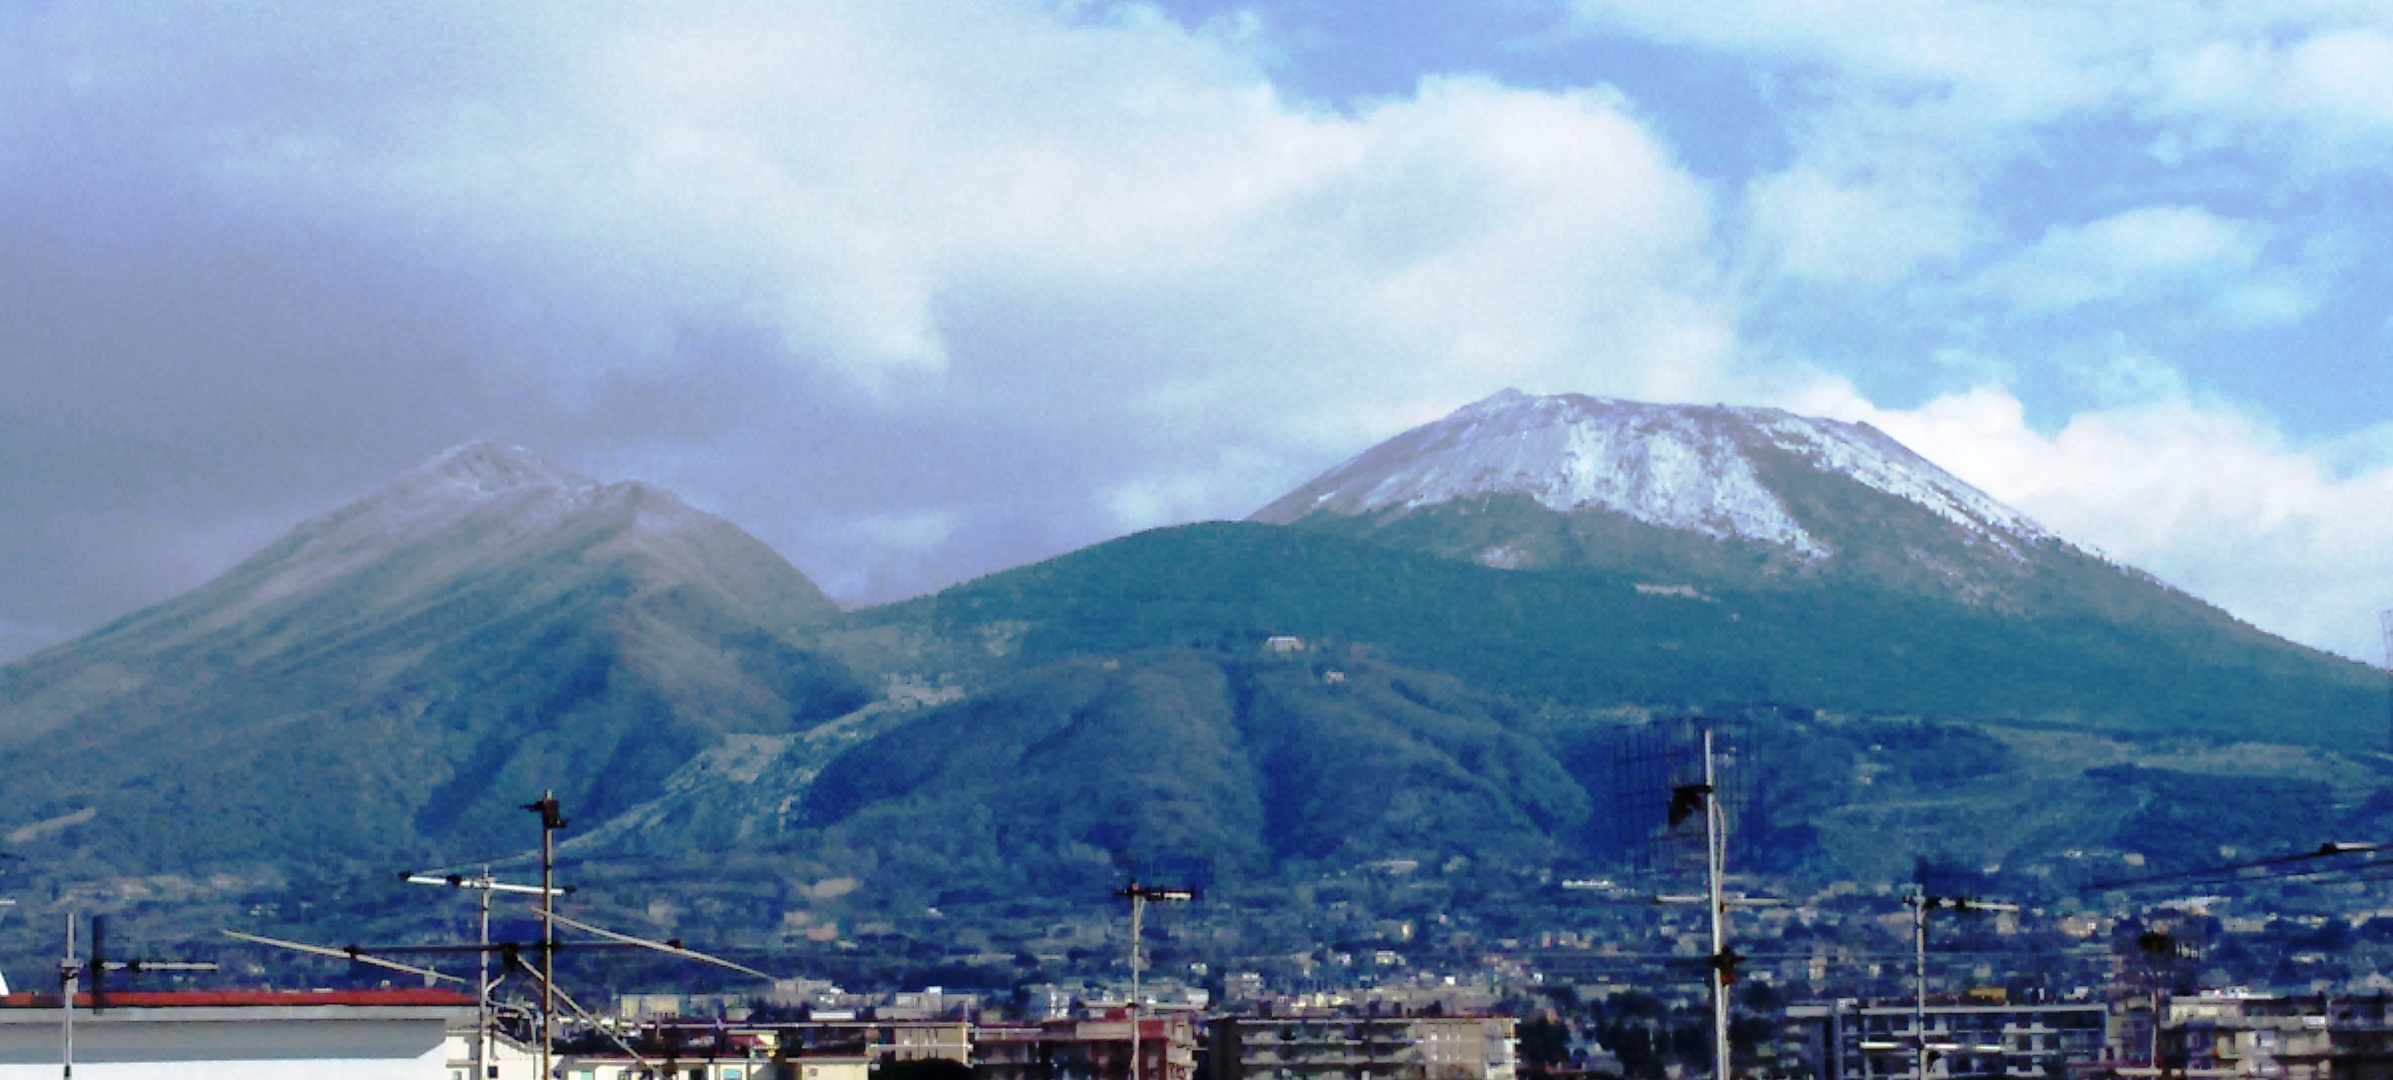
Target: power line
<point>2233,872</point>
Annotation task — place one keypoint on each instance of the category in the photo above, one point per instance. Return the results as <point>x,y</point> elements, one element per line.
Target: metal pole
<point>68,969</point>
<point>482,990</point>
<point>1712,827</point>
<point>1138,895</point>
<point>1138,906</point>
<point>548,925</point>
<point>2157,1068</point>
<point>1919,985</point>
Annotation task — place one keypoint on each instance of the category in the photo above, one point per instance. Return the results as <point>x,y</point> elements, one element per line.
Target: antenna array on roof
<point>1655,809</point>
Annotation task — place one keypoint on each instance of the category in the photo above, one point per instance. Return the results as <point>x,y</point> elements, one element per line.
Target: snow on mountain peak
<point>1678,466</point>
<point>472,480</point>
<point>474,511</point>
<point>488,468</point>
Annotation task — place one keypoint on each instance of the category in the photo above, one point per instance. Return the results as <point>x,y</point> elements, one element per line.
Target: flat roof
<point>221,999</point>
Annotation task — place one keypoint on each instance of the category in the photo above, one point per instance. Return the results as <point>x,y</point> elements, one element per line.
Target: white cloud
<point>1040,269</point>
<point>848,176</point>
<point>1873,233</point>
<point>1925,137</point>
<point>1217,490</point>
<point>2337,82</point>
<point>2022,60</point>
<point>2147,253</point>
<point>2210,499</point>
<point>2313,62</point>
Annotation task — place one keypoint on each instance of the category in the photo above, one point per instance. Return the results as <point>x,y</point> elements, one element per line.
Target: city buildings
<point>1351,1047</point>
<point>2294,1037</point>
<point>1092,1048</point>
<point>1850,1040</point>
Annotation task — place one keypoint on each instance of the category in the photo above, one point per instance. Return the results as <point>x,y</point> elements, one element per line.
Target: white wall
<point>430,1066</point>
<point>260,1044</point>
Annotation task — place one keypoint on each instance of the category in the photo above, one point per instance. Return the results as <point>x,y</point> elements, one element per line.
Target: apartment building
<point>1345,1047</point>
<point>1851,1040</point>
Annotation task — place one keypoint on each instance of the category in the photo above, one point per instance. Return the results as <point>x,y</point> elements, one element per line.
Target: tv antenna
<point>1140,896</point>
<point>552,819</point>
<point>510,952</point>
<point>71,969</point>
<point>361,954</point>
<point>1694,785</point>
<point>485,885</point>
<point>1920,903</point>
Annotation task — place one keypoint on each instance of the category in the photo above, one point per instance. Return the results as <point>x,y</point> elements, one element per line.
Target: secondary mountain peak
<point>476,513</point>
<point>486,624</point>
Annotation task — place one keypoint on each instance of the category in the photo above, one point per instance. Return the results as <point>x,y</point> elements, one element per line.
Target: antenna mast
<point>70,968</point>
<point>1715,841</point>
<point>1139,895</point>
<point>1920,904</point>
<point>484,884</point>
<point>70,973</point>
<point>552,818</point>
<point>1686,800</point>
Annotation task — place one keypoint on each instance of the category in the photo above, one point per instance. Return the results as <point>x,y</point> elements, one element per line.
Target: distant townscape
<point>1560,736</point>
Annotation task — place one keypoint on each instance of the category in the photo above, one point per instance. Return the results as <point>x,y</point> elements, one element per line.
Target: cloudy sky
<point>916,291</point>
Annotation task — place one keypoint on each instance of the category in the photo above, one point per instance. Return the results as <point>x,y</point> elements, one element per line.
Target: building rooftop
<point>220,999</point>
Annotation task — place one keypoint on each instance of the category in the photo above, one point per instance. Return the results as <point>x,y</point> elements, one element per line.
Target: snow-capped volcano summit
<point>1524,481</point>
<point>1675,466</point>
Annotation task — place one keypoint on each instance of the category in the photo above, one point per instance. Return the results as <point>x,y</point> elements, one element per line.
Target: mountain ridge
<point>394,679</point>
<point>485,622</point>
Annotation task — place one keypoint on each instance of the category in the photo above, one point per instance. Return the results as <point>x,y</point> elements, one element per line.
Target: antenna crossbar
<point>486,884</point>
<point>356,953</point>
<point>667,947</point>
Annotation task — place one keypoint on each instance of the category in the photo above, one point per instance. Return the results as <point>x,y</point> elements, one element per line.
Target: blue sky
<point>920,291</point>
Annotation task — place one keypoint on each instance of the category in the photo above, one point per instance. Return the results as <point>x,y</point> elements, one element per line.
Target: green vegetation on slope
<point>1591,638</point>
<point>1241,766</point>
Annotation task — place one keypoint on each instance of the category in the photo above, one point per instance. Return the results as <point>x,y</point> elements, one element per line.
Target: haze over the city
<point>916,292</point>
